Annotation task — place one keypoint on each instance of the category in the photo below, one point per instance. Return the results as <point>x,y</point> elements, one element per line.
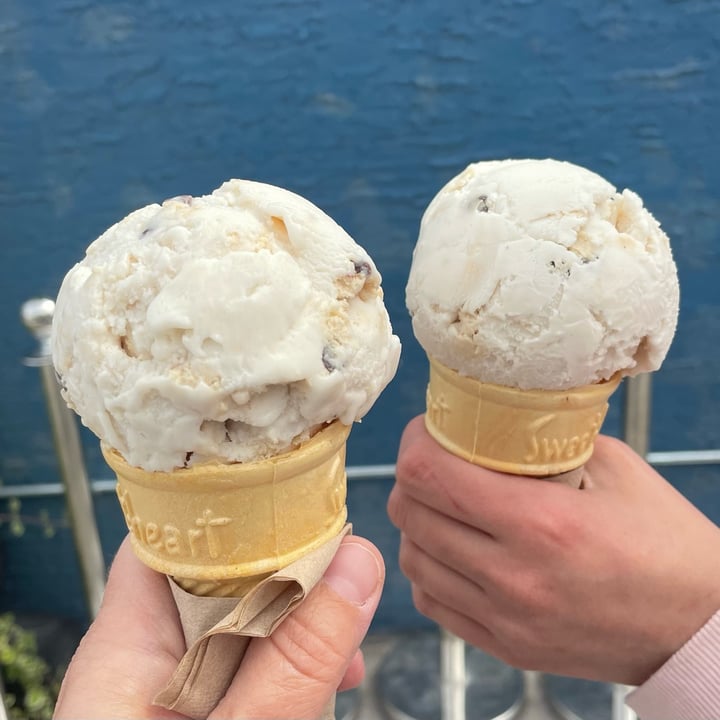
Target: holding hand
<point>604,583</point>
<point>134,645</point>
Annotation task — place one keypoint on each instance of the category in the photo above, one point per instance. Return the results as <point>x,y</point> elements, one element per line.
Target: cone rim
<point>580,396</point>
<point>213,475</point>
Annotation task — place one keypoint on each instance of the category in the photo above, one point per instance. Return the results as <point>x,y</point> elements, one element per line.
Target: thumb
<point>295,672</point>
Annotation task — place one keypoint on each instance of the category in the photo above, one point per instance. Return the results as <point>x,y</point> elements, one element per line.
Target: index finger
<point>490,501</point>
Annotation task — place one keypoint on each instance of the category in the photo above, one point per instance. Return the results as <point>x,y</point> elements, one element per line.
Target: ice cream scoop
<point>539,274</point>
<point>535,287</point>
<point>228,327</point>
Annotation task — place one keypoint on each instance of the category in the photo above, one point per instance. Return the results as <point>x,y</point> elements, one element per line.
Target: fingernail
<point>354,573</point>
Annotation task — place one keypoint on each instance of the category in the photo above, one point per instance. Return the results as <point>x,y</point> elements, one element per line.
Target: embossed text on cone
<point>528,432</point>
<point>218,529</point>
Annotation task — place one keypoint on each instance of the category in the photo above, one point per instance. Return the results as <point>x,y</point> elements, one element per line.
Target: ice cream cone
<point>524,432</point>
<point>219,529</point>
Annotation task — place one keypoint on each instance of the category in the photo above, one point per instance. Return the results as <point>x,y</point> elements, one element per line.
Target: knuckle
<point>408,560</point>
<point>517,625</point>
<point>311,656</point>
<point>405,560</point>
<point>415,467</point>
<point>424,603</point>
<point>397,508</point>
<point>558,529</point>
<point>524,596</point>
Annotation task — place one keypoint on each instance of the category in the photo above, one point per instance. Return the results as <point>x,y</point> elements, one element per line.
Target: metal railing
<point>37,316</point>
<point>79,490</point>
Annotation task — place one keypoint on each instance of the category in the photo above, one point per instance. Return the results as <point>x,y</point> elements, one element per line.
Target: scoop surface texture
<point>227,327</point>
<point>539,274</point>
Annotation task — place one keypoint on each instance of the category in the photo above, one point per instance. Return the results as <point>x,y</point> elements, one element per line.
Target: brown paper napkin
<point>218,631</point>
<point>574,478</point>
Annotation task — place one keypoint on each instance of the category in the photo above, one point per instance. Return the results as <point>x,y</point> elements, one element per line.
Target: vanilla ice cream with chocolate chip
<point>539,274</point>
<point>227,327</point>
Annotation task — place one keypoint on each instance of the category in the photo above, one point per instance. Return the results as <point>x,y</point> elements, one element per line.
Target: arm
<point>686,687</point>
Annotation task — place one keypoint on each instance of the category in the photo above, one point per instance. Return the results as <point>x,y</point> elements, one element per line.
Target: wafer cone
<point>220,529</point>
<point>542,433</point>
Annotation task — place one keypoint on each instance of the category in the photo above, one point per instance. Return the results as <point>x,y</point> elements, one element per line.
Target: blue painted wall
<point>367,108</point>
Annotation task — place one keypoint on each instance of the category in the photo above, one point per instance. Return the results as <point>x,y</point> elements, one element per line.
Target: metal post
<point>3,709</point>
<point>37,316</point>
<point>535,703</point>
<point>620,711</point>
<point>452,676</point>
<point>637,413</point>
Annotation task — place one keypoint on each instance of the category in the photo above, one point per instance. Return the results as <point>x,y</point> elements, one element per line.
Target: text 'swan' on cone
<point>524,432</point>
<point>218,529</point>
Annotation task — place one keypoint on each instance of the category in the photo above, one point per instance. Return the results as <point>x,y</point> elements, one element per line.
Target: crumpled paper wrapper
<point>574,478</point>
<point>218,631</point>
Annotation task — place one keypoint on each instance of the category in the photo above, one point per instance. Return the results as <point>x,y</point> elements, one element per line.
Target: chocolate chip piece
<point>126,346</point>
<point>362,268</point>
<point>328,359</point>
<point>188,455</point>
<point>482,205</point>
<point>561,267</point>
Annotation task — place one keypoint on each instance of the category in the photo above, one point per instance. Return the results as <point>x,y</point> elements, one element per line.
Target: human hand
<point>134,645</point>
<point>604,583</point>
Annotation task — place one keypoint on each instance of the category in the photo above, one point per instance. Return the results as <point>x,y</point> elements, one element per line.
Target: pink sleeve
<point>687,686</point>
